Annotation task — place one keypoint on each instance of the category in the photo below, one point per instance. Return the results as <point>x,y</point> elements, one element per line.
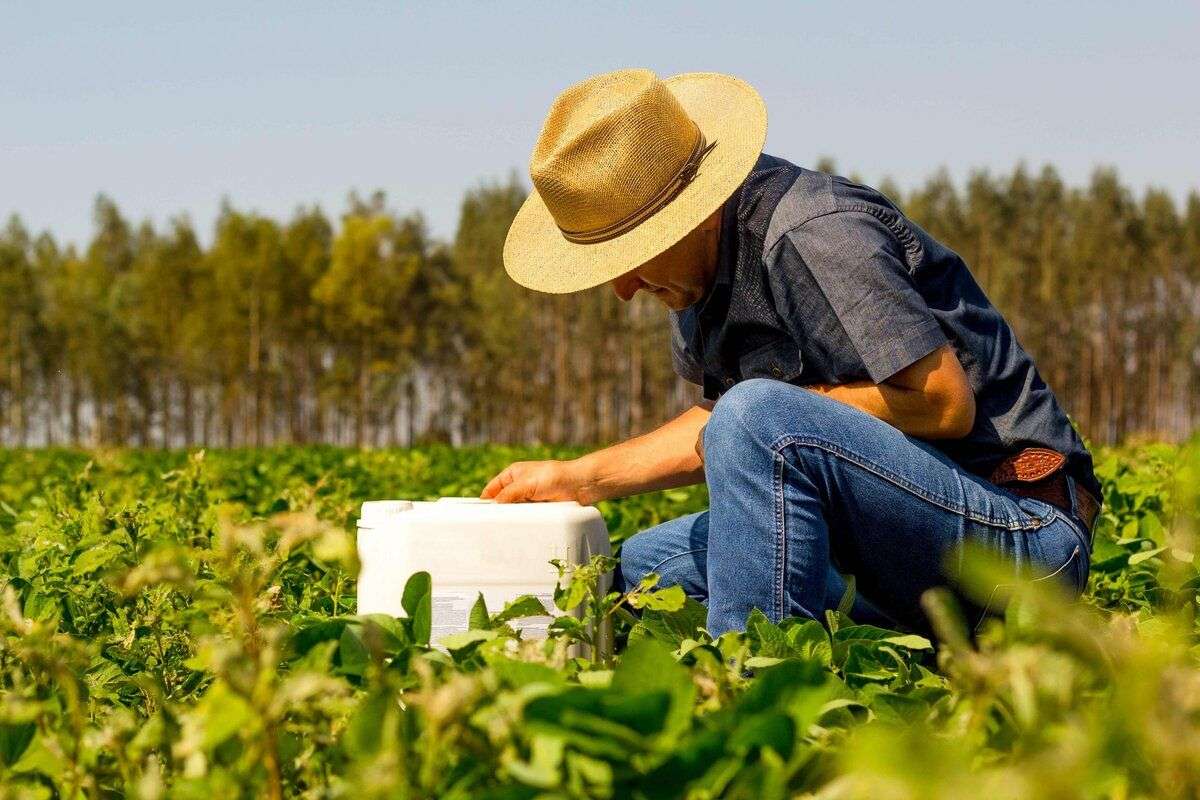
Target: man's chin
<point>674,302</point>
<point>679,302</point>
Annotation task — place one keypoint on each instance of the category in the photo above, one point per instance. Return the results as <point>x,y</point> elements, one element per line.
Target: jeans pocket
<point>1068,572</point>
<point>1046,562</point>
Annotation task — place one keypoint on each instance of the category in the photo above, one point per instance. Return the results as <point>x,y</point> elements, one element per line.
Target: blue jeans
<point>803,488</point>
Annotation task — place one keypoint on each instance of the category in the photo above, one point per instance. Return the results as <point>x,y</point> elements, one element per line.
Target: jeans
<point>803,488</point>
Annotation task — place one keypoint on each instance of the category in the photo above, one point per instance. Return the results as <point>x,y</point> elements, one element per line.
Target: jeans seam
<point>777,597</point>
<point>788,440</point>
<point>656,567</point>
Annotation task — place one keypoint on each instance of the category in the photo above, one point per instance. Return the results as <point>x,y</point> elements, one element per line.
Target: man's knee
<point>637,554</point>
<point>755,412</point>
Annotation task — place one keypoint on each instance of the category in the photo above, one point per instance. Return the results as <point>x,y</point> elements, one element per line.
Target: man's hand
<point>531,481</point>
<point>667,457</point>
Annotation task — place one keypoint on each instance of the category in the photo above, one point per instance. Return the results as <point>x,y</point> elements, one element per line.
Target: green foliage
<point>178,625</point>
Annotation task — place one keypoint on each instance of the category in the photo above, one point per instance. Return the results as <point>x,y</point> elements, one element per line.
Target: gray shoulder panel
<point>810,195</point>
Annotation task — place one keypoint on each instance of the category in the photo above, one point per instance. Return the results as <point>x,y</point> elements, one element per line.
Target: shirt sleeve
<point>858,265</point>
<point>686,365</point>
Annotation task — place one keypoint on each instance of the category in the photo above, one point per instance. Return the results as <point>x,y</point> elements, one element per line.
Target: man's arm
<point>930,399</point>
<point>662,459</point>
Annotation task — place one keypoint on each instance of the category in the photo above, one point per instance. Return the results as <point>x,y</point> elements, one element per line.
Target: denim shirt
<point>822,280</point>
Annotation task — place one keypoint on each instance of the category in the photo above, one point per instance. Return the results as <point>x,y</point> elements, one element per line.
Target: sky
<point>168,107</point>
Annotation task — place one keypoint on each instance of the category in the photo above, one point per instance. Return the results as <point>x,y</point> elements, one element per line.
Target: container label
<point>452,613</point>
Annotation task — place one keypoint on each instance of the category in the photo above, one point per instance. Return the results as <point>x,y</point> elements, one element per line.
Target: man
<point>866,409</point>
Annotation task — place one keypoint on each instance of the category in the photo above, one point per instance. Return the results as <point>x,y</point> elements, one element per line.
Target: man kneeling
<point>866,409</point>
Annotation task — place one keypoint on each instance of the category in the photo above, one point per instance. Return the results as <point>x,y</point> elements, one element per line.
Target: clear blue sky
<point>168,107</point>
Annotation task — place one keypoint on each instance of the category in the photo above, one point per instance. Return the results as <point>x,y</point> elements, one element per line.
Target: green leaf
<point>96,557</point>
<point>1145,555</point>
<point>39,758</point>
<point>795,683</point>
<point>595,679</point>
<point>1130,531</point>
<point>1151,528</point>
<point>516,674</point>
<point>870,638</point>
<point>383,631</point>
<point>766,638</point>
<point>672,627</point>
<point>478,619</point>
<point>911,641</point>
<point>898,708</point>
<point>648,665</point>
<point>809,639</point>
<point>847,601</point>
<point>774,730</point>
<point>14,740</point>
<point>761,662</point>
<point>671,598</point>
<point>353,654</point>
<point>418,587</point>
<point>457,641</point>
<point>648,581</point>
<point>312,631</point>
<point>221,714</point>
<point>41,607</point>
<point>577,591</point>
<point>364,730</point>
<point>422,620</point>
<point>542,768</point>
<point>862,662</point>
<point>524,606</point>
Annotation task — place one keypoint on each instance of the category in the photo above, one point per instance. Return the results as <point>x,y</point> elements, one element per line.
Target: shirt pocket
<point>779,359</point>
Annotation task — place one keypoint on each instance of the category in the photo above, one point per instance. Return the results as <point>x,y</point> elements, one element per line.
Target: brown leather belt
<point>1037,472</point>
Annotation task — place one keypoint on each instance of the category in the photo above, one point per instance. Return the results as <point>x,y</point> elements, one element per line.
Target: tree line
<point>368,331</point>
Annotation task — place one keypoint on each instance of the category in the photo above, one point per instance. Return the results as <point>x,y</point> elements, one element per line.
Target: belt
<point>1037,472</point>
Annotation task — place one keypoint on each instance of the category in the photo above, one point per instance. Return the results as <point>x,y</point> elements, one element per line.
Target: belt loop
<point>1073,493</point>
<point>1074,498</point>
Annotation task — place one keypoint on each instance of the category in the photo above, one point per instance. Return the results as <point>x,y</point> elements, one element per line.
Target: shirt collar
<point>726,252</point>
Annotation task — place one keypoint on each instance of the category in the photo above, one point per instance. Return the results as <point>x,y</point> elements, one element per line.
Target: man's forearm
<point>904,409</point>
<point>662,459</point>
<point>930,399</point>
<point>908,410</point>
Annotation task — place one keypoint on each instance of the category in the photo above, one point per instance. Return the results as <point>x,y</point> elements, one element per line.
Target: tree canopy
<point>370,332</point>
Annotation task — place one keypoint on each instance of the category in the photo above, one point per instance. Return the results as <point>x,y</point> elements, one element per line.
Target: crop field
<point>182,625</point>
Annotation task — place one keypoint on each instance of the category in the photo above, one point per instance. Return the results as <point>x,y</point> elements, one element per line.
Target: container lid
<point>381,513</point>
<point>378,511</point>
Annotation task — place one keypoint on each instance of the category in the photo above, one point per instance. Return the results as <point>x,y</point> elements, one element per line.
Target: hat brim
<point>729,112</point>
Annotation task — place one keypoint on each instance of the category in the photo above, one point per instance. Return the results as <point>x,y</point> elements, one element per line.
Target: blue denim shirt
<point>822,280</point>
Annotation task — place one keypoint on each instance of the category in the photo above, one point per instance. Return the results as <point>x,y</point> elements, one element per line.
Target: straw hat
<point>626,165</point>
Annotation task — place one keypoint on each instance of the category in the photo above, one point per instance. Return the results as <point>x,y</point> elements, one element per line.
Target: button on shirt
<point>822,280</point>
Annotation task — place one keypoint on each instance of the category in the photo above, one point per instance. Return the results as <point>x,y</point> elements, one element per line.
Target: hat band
<point>682,178</point>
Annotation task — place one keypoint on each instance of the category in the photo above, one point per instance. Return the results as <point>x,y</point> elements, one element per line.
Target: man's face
<point>679,276</point>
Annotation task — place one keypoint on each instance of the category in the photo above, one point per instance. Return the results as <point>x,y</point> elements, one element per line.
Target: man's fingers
<point>512,493</point>
<point>496,484</point>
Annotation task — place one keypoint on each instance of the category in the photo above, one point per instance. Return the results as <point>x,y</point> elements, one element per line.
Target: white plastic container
<point>468,546</point>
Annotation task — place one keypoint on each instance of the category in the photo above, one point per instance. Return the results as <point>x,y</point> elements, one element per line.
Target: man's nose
<point>626,286</point>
